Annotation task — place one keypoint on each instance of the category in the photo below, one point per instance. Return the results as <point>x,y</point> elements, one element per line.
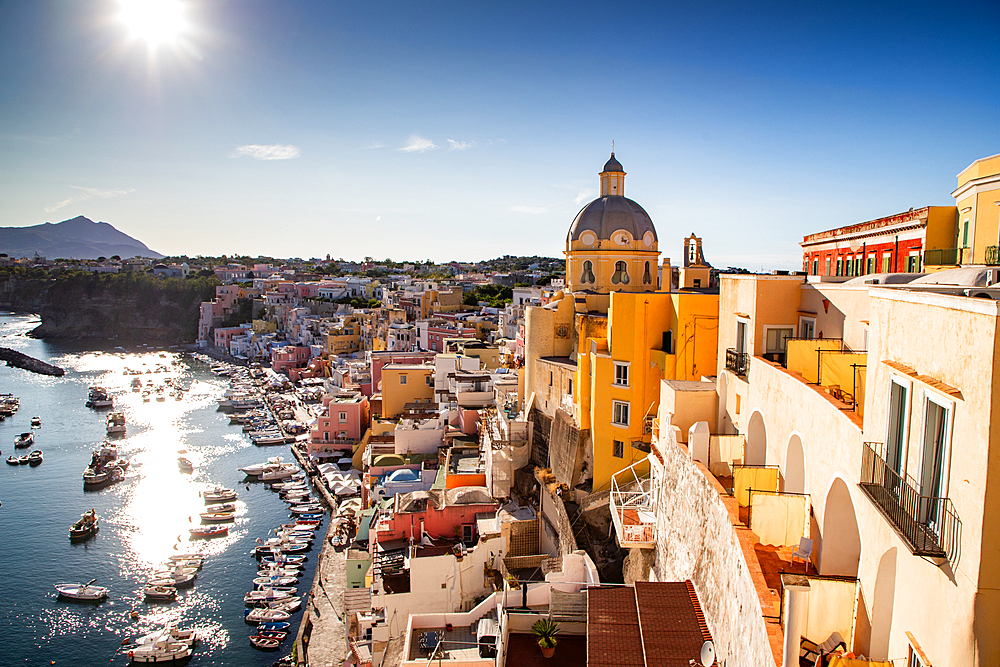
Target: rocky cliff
<point>122,307</point>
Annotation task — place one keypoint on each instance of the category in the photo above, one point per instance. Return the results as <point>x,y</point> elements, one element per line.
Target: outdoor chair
<point>804,551</point>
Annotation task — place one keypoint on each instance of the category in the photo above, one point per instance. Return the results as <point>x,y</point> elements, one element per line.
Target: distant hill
<point>78,238</point>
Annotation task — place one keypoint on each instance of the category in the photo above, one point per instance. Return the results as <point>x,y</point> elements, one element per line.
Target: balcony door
<point>933,479</point>
<point>741,336</point>
<point>895,444</point>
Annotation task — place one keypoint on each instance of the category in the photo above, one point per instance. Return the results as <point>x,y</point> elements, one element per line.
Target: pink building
<point>341,426</point>
<point>438,513</point>
<point>289,356</point>
<point>381,359</point>
<point>223,336</point>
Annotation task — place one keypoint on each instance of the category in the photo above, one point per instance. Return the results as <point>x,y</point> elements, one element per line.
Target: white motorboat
<point>266,595</point>
<point>160,593</point>
<point>223,507</point>
<point>219,494</point>
<point>170,634</point>
<point>115,423</point>
<point>278,473</point>
<point>82,591</point>
<point>258,468</point>
<point>161,651</point>
<point>265,615</point>
<point>185,464</point>
<point>276,580</point>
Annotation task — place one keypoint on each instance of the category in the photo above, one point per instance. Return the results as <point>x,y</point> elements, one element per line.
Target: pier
<point>21,360</point>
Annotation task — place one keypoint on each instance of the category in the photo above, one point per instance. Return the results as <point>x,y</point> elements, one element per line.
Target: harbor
<point>145,518</point>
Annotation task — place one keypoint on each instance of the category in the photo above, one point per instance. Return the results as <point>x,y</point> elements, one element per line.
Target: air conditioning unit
<point>992,277</point>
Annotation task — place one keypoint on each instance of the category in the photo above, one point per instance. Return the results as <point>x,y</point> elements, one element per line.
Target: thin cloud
<point>460,145</point>
<point>87,193</point>
<point>530,210</point>
<point>268,151</point>
<point>373,145</point>
<point>582,193</point>
<point>417,144</point>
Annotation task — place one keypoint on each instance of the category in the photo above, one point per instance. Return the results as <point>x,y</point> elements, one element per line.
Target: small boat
<point>161,651</point>
<point>273,634</point>
<point>23,460</point>
<point>185,464</point>
<point>35,457</point>
<point>274,580</point>
<point>265,643</point>
<point>12,460</point>
<point>217,517</point>
<point>224,507</point>
<point>83,591</point>
<point>24,440</point>
<point>263,614</point>
<point>115,423</point>
<point>160,593</point>
<point>219,494</point>
<point>258,468</point>
<point>85,527</point>
<point>280,626</point>
<point>187,556</point>
<point>281,558</point>
<point>36,421</point>
<point>209,531</point>
<point>267,595</point>
<point>171,634</point>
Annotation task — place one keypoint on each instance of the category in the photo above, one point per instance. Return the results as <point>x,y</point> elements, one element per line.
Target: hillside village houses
<point>656,452</point>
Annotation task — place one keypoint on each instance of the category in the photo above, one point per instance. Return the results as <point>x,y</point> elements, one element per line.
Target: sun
<point>155,22</point>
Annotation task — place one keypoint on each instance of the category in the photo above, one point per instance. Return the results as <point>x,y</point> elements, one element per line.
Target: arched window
<point>588,273</point>
<point>647,279</point>
<point>621,274</point>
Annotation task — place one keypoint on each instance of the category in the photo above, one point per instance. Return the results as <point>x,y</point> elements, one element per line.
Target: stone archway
<point>755,453</point>
<point>794,472</point>
<point>882,605</point>
<point>841,539</point>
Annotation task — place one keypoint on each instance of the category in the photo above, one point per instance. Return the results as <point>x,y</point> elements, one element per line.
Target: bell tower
<point>613,178</point>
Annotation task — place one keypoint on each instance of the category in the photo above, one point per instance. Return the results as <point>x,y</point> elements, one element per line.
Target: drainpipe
<point>895,257</point>
<point>796,604</point>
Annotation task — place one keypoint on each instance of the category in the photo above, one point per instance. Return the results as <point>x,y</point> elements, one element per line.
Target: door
<point>807,328</point>
<point>895,451</point>
<point>932,470</point>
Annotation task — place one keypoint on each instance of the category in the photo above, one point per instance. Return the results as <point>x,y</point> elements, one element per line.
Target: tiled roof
<point>613,636</point>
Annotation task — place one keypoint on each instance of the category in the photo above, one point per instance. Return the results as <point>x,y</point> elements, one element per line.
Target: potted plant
<point>546,630</point>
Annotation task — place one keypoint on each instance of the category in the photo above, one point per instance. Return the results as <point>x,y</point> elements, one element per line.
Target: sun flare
<point>153,21</point>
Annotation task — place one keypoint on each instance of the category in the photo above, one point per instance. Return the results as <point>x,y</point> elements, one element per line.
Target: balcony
<point>737,362</point>
<point>943,257</point>
<point>993,255</point>
<point>633,508</point>
<point>928,525</point>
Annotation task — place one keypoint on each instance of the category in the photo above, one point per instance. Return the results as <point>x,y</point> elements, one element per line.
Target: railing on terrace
<point>929,525</point>
<point>737,362</point>
<point>993,255</point>
<point>633,509</point>
<point>943,257</point>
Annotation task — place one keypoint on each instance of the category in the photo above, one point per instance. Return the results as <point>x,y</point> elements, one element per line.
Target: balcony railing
<point>737,362</point>
<point>929,525</point>
<point>993,255</point>
<point>943,257</point>
<point>633,509</point>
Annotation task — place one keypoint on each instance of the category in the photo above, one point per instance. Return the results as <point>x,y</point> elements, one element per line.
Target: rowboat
<point>221,507</point>
<point>219,494</point>
<point>24,440</point>
<point>275,625</point>
<point>82,591</point>
<point>217,517</point>
<point>85,527</point>
<point>184,464</point>
<point>34,458</point>
<point>265,643</point>
<point>12,460</point>
<point>208,531</point>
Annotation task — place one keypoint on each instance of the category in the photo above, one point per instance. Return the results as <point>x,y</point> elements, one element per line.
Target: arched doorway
<point>841,539</point>
<point>756,449</point>
<point>885,594</point>
<point>795,472</point>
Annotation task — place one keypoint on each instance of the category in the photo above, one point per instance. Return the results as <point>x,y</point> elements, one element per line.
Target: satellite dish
<point>708,654</point>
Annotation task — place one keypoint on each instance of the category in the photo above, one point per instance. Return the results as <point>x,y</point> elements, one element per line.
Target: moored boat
<point>24,440</point>
<point>263,614</point>
<point>36,421</point>
<point>185,464</point>
<point>209,531</point>
<point>160,593</point>
<point>35,457</point>
<point>265,643</point>
<point>161,651</point>
<point>82,591</point>
<point>85,527</point>
<point>223,507</point>
<point>12,460</point>
<point>23,460</point>
<point>115,423</point>
<point>217,517</point>
<point>219,494</point>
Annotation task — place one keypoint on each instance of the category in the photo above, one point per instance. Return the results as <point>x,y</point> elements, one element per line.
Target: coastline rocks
<point>21,360</point>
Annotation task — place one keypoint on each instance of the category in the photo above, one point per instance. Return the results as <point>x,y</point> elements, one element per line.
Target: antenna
<point>708,654</point>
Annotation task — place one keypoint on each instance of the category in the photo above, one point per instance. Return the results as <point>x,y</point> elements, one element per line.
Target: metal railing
<point>737,362</point>
<point>633,509</point>
<point>993,255</point>
<point>943,257</point>
<point>928,524</point>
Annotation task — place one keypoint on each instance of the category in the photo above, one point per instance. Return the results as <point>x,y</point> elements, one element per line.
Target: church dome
<point>606,215</point>
<point>613,165</point>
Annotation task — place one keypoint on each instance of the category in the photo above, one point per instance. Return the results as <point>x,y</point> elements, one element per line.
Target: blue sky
<point>470,130</point>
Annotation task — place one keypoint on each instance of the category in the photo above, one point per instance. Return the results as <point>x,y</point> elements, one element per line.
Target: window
<point>965,234</point>
<point>569,387</point>
<point>899,414</point>
<point>840,266</point>
<point>871,265</point>
<point>827,272</point>
<point>343,417</point>
<point>887,263</point>
<point>621,374</point>
<point>588,273</point>
<point>807,327</point>
<point>430,380</point>
<point>550,378</point>
<point>647,277</point>
<point>620,276</point>
<point>402,378</point>
<point>697,282</point>
<point>776,338</point>
<point>815,270</point>
<point>618,449</point>
<point>741,336</point>
<point>934,463</point>
<point>619,413</point>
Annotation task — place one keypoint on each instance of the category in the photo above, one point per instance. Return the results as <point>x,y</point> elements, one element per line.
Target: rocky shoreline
<point>21,360</point>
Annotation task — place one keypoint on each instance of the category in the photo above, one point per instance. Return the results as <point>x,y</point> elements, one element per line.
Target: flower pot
<point>548,652</point>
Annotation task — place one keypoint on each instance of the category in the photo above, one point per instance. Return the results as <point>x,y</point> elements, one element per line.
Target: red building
<point>894,244</point>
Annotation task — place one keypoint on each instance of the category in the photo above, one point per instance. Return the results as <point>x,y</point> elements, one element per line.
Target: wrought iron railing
<point>993,255</point>
<point>737,362</point>
<point>928,524</point>
<point>633,508</point>
<point>943,257</point>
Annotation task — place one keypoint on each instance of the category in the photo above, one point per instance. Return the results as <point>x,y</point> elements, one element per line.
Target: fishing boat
<point>267,595</point>
<point>85,527</point>
<point>99,478</point>
<point>99,398</point>
<point>35,457</point>
<point>161,651</point>
<point>185,464</point>
<point>262,614</point>
<point>209,531</point>
<point>273,634</point>
<point>280,626</point>
<point>24,440</point>
<point>115,423</point>
<point>265,643</point>
<point>217,517</point>
<point>83,591</point>
<point>36,421</point>
<point>160,593</point>
<point>223,507</point>
<point>219,494</point>
<point>12,460</point>
<point>275,580</point>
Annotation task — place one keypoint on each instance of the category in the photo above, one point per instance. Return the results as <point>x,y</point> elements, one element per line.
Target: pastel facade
<point>404,384</point>
<point>342,424</point>
<point>978,201</point>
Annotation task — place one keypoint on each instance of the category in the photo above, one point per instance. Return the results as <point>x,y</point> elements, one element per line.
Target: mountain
<point>78,238</point>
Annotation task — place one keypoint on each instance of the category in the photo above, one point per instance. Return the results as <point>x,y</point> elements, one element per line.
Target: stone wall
<point>695,540</point>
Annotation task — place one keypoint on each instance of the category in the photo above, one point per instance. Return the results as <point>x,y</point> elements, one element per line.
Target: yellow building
<point>345,339</point>
<point>595,354</point>
<point>978,201</point>
<point>403,384</point>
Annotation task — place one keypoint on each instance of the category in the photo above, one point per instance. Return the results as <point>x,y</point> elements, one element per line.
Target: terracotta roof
<point>613,635</point>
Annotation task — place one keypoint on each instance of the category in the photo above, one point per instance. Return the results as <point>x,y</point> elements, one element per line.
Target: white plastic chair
<point>804,551</point>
